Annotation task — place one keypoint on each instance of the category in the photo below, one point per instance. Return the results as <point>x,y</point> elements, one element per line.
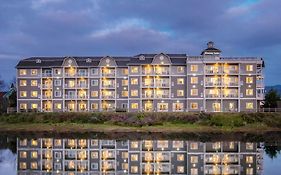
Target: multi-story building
<point>120,157</point>
<point>145,82</point>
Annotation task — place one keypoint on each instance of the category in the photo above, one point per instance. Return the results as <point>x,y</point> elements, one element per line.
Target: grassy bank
<point>141,122</point>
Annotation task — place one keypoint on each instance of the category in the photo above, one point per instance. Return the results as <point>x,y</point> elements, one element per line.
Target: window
<point>94,93</point>
<point>34,106</point>
<point>134,81</point>
<point>33,82</point>
<point>23,142</point>
<point>194,92</point>
<point>124,94</point>
<point>180,69</point>
<point>180,169</point>
<point>57,155</point>
<point>134,105</point>
<point>193,145</point>
<point>57,82</point>
<point>23,93</point>
<point>134,169</point>
<point>33,71</point>
<point>34,154</point>
<point>194,159</point>
<point>57,93</point>
<point>94,155</point>
<point>125,71</point>
<point>33,165</point>
<point>23,83</point>
<point>22,165</point>
<point>249,68</point>
<point>177,106</point>
<point>180,93</point>
<point>57,71</point>
<point>193,80</point>
<point>134,144</point>
<point>216,145</point>
<point>134,157</point>
<point>94,82</point>
<point>34,142</point>
<point>180,81</point>
<point>94,166</point>
<point>95,71</point>
<point>249,159</point>
<point>57,105</point>
<point>94,106</point>
<point>249,171</point>
<point>162,144</point>
<point>193,105</point>
<point>180,157</point>
<point>249,80</point>
<point>194,68</point>
<point>124,155</point>
<point>249,146</point>
<point>124,82</point>
<point>134,93</point>
<point>23,106</point>
<point>134,69</point>
<point>249,105</point>
<point>22,71</point>
<point>34,94</point>
<point>177,144</point>
<point>22,154</point>
<point>194,171</point>
<point>249,92</point>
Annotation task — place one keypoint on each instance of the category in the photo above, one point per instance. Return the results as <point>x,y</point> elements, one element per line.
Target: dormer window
<point>38,61</point>
<point>142,57</point>
<point>88,60</point>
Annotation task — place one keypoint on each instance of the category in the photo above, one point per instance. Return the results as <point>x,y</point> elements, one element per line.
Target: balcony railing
<point>208,71</point>
<point>230,84</point>
<point>230,95</point>
<point>46,96</point>
<point>213,83</point>
<point>46,74</point>
<point>70,96</point>
<point>67,74</point>
<point>162,84</point>
<point>213,95</point>
<point>164,72</point>
<point>80,74</point>
<point>161,95</point>
<point>147,95</point>
<point>228,71</point>
<point>145,85</point>
<point>47,85</point>
<point>108,85</point>
<point>69,86</point>
<point>82,85</point>
<point>147,72</point>
<point>108,96</point>
<point>110,74</point>
<point>83,96</point>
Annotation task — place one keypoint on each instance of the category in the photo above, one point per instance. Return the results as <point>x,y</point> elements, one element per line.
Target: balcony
<point>209,83</point>
<point>147,71</point>
<point>230,71</point>
<point>107,86</point>
<point>70,96</point>
<point>83,96</point>
<point>69,86</point>
<point>147,85</point>
<point>161,95</point>
<point>230,83</point>
<point>82,74</point>
<point>213,95</point>
<point>47,74</point>
<point>47,86</point>
<point>46,96</point>
<point>67,74</point>
<point>234,95</point>
<point>82,85</point>
<point>163,85</point>
<point>108,96</point>
<point>163,72</point>
<point>213,70</point>
<point>147,95</point>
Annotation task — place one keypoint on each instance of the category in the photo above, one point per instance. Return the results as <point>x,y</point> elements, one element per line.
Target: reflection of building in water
<point>91,156</point>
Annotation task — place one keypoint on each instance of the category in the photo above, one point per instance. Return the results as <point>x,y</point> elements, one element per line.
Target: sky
<point>129,27</point>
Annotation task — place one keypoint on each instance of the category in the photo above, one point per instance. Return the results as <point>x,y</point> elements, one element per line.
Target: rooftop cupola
<point>211,51</point>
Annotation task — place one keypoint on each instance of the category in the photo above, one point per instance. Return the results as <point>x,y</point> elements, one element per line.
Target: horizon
<point>124,28</point>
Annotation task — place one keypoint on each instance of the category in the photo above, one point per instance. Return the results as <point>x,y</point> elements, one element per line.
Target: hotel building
<point>120,157</point>
<point>145,82</point>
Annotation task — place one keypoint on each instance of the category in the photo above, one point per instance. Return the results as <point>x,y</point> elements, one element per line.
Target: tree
<point>271,99</point>
<point>2,84</point>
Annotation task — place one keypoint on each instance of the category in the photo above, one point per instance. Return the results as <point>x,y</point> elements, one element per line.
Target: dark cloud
<point>126,27</point>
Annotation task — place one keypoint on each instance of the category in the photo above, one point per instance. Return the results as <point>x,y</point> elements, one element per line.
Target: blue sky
<point>127,27</point>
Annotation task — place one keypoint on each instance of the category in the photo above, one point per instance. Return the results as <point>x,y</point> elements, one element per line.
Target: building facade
<point>121,157</point>
<point>145,82</point>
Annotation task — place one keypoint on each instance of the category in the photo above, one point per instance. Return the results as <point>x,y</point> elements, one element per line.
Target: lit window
<point>134,81</point>
<point>249,80</point>
<point>57,142</point>
<point>194,159</point>
<point>23,83</point>
<point>249,92</point>
<point>33,71</point>
<point>94,106</point>
<point>134,157</point>
<point>125,71</point>
<point>178,144</point>
<point>180,81</point>
<point>57,105</point>
<point>124,94</point>
<point>134,93</point>
<point>249,159</point>
<point>94,93</point>
<point>180,93</point>
<point>249,171</point>
<point>124,155</point>
<point>34,94</point>
<point>249,146</point>
<point>194,68</point>
<point>249,68</point>
<point>134,105</point>
<point>34,142</point>
<point>180,69</point>
<point>162,144</point>
<point>193,145</point>
<point>22,165</point>
<point>23,106</point>
<point>22,154</point>
<point>22,71</point>
<point>23,142</point>
<point>134,169</point>
<point>177,106</point>
<point>134,144</point>
<point>134,69</point>
<point>193,105</point>
<point>124,82</point>
<point>193,80</point>
<point>180,169</point>
<point>33,82</point>
<point>216,145</point>
<point>57,71</point>
<point>194,171</point>
<point>33,165</point>
<point>180,157</point>
<point>94,155</point>
<point>250,105</point>
<point>194,92</point>
<point>34,154</point>
<point>23,93</point>
<point>34,106</point>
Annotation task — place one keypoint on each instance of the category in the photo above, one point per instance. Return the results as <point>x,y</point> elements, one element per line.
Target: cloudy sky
<point>128,27</point>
